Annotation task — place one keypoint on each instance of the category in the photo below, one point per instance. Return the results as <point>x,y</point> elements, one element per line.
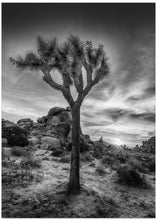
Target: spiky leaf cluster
<point>68,58</point>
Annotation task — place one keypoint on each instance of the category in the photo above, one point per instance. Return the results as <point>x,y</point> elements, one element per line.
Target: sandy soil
<point>101,196</point>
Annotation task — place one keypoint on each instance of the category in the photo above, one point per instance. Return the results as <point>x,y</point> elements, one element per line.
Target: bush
<point>129,176</point>
<point>17,140</point>
<point>108,160</point>
<point>98,150</point>
<point>100,170</point>
<point>57,153</point>
<point>151,166</point>
<point>30,162</point>
<point>86,157</point>
<point>65,159</point>
<point>19,174</point>
<point>138,165</point>
<point>18,151</point>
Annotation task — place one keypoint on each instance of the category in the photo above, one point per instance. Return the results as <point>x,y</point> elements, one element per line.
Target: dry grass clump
<point>86,157</point>
<point>129,176</point>
<point>100,170</point>
<point>18,151</point>
<point>30,162</point>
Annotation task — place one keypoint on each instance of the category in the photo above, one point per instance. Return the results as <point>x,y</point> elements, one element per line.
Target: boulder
<point>7,123</point>
<point>63,129</point>
<point>42,120</point>
<point>53,120</point>
<point>33,140</point>
<point>64,116</point>
<point>50,143</point>
<point>55,111</point>
<point>25,123</point>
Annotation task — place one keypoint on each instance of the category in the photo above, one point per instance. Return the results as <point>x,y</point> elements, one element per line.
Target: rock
<point>7,123</point>
<point>50,143</point>
<point>41,152</point>
<point>53,120</point>
<point>42,120</point>
<point>55,111</point>
<point>33,140</point>
<point>4,142</point>
<point>63,129</point>
<point>64,116</point>
<point>25,123</point>
<point>147,146</point>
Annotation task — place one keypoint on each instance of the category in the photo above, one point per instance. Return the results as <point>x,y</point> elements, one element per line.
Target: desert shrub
<point>57,153</point>
<point>138,165</point>
<point>18,151</point>
<point>17,140</point>
<point>122,158</point>
<point>65,159</point>
<point>108,160</point>
<point>98,150</point>
<point>100,170</point>
<point>19,175</point>
<point>151,166</point>
<point>30,162</point>
<point>106,207</point>
<point>84,147</point>
<point>130,176</point>
<point>86,157</point>
<point>14,130</point>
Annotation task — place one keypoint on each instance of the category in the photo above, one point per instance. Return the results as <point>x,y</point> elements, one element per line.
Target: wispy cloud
<point>122,107</point>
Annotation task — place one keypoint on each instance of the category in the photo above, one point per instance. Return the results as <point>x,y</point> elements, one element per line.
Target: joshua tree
<point>69,59</point>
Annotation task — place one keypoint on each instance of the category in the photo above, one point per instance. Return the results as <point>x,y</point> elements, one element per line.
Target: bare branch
<point>66,92</point>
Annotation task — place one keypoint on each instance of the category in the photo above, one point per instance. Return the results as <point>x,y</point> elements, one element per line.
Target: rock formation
<point>50,132</point>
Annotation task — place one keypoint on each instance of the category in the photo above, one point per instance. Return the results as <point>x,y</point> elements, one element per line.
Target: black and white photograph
<point>78,110</point>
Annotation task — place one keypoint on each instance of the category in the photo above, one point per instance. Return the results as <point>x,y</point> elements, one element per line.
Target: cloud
<point>120,107</point>
<point>150,117</point>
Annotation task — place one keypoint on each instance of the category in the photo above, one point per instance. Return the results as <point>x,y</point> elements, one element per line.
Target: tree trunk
<point>74,181</point>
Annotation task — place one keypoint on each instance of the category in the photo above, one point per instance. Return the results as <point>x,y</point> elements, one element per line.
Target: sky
<point>121,108</point>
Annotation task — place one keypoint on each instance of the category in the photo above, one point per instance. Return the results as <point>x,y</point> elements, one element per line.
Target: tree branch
<point>65,91</point>
<point>88,71</point>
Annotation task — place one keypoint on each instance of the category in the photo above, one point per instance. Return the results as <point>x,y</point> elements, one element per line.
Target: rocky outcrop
<point>50,143</point>
<point>25,123</point>
<point>51,131</point>
<point>55,111</point>
<point>147,146</point>
<point>33,140</point>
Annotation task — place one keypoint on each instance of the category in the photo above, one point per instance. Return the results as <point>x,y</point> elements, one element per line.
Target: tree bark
<point>74,180</point>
